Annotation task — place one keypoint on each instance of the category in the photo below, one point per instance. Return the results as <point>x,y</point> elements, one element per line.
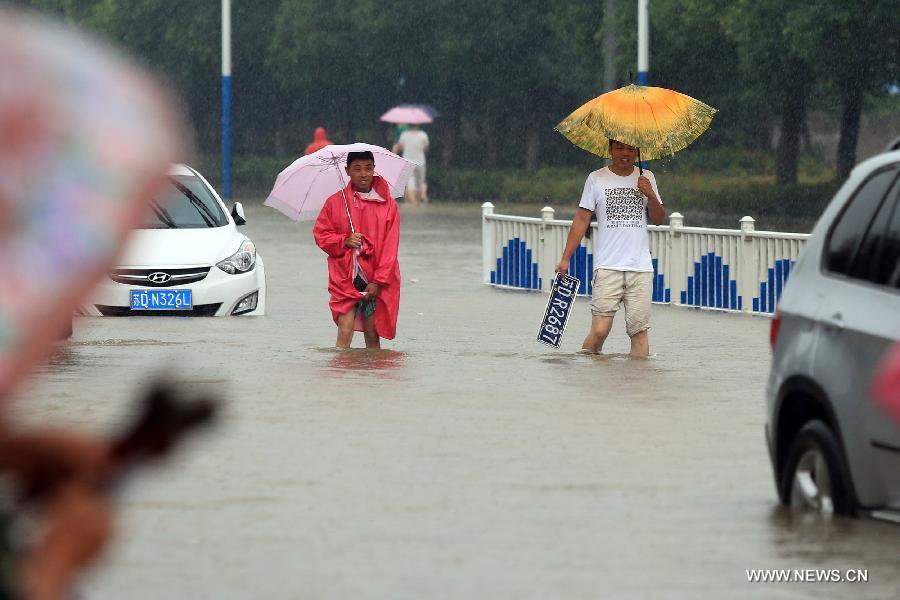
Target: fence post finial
<point>547,213</point>
<point>748,225</point>
<point>676,220</point>
<point>488,242</point>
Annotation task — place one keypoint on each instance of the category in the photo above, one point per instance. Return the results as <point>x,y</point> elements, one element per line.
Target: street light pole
<point>226,98</point>
<point>643,76</point>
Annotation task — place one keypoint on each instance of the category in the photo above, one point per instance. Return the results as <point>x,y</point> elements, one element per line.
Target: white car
<point>187,259</point>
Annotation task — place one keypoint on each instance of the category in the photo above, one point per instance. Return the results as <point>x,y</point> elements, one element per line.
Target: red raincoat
<point>320,140</point>
<point>379,223</point>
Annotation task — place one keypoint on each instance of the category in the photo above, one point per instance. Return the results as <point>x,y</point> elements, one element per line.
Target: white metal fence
<point>724,269</point>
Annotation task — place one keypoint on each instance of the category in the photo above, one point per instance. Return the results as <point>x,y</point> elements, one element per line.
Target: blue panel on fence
<point>668,295</point>
<point>771,289</point>
<point>704,280</point>
<point>526,269</point>
<point>763,297</point>
<point>733,286</point>
<point>515,267</point>
<point>718,282</point>
<point>581,265</point>
<point>505,279</point>
<point>756,305</point>
<point>523,266</point>
<point>711,278</point>
<point>589,276</point>
<point>684,298</point>
<point>779,274</point>
<point>726,285</point>
<point>516,263</point>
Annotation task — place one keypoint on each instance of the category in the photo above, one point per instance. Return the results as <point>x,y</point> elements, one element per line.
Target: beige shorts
<point>630,288</point>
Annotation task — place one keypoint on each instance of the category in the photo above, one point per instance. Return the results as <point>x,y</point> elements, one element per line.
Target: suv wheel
<point>814,478</point>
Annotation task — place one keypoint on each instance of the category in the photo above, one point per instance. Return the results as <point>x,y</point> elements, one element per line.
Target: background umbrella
<point>657,121</point>
<point>410,114</point>
<point>85,140</point>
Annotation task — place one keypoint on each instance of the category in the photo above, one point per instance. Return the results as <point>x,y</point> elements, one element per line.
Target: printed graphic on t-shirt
<point>624,208</point>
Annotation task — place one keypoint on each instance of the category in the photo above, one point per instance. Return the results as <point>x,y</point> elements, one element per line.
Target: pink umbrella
<point>301,189</point>
<point>408,114</point>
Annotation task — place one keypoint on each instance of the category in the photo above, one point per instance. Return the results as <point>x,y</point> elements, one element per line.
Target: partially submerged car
<point>834,449</point>
<point>187,259</point>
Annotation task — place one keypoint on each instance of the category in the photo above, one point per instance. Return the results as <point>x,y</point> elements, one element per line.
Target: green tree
<point>855,48</point>
<point>777,70</point>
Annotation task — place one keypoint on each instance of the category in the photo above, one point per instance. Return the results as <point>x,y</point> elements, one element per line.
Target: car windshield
<point>184,204</point>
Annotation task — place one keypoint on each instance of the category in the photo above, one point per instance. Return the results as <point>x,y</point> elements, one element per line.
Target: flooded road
<point>463,461</point>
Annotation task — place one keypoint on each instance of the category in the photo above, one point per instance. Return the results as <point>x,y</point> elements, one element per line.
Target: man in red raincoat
<point>320,140</point>
<point>367,255</point>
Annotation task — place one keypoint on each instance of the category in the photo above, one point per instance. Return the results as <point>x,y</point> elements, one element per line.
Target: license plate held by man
<point>161,300</point>
<point>559,306</point>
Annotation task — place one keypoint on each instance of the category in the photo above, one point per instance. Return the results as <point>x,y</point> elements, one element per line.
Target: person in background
<point>412,145</point>
<point>320,140</point>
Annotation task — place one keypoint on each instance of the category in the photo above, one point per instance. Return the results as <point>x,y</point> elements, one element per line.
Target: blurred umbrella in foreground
<point>886,387</point>
<point>410,114</point>
<point>657,121</point>
<point>85,139</point>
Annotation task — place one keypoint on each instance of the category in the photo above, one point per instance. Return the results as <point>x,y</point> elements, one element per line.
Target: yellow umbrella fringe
<point>593,124</point>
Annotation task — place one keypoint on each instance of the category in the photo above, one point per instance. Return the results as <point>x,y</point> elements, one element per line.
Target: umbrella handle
<point>640,168</point>
<point>343,192</point>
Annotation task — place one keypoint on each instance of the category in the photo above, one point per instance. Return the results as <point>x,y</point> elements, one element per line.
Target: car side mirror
<point>237,213</point>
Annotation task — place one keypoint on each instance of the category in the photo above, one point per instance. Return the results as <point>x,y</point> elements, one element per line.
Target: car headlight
<point>241,261</point>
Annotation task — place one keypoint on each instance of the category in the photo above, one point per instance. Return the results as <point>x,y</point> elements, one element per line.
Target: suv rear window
<point>856,220</point>
<point>878,253</point>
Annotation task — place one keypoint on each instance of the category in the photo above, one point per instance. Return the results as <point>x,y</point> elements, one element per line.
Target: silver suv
<point>832,449</point>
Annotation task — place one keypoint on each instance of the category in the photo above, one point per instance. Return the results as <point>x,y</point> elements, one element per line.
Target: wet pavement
<point>464,460</point>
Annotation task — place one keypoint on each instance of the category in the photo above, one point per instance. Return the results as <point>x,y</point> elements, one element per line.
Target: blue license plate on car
<point>559,306</point>
<point>161,300</point>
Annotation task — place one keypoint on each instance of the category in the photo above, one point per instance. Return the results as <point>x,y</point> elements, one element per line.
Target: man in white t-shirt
<point>623,198</point>
<point>413,144</point>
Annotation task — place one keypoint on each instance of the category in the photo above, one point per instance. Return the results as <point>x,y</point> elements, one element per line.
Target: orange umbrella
<point>657,121</point>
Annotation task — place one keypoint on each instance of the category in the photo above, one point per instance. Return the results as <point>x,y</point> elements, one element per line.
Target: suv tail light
<point>773,330</point>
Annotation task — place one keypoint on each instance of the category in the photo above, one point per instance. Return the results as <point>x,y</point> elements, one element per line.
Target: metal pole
<point>226,98</point>
<point>643,75</point>
<point>610,50</point>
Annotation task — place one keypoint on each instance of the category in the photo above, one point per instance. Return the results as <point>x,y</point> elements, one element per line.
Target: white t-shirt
<point>622,242</point>
<point>414,143</point>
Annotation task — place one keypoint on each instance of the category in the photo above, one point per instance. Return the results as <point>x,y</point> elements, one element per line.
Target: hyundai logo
<point>159,277</point>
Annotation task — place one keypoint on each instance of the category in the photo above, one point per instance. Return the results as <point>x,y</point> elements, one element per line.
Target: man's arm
<point>579,226</point>
<point>655,211</point>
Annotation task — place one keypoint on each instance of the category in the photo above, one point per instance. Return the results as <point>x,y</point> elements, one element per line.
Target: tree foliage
<point>502,73</point>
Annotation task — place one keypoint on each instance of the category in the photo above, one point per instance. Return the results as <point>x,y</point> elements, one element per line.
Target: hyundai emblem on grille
<point>159,277</point>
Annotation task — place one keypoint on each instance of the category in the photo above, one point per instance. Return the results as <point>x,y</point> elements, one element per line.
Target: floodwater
<point>465,460</point>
